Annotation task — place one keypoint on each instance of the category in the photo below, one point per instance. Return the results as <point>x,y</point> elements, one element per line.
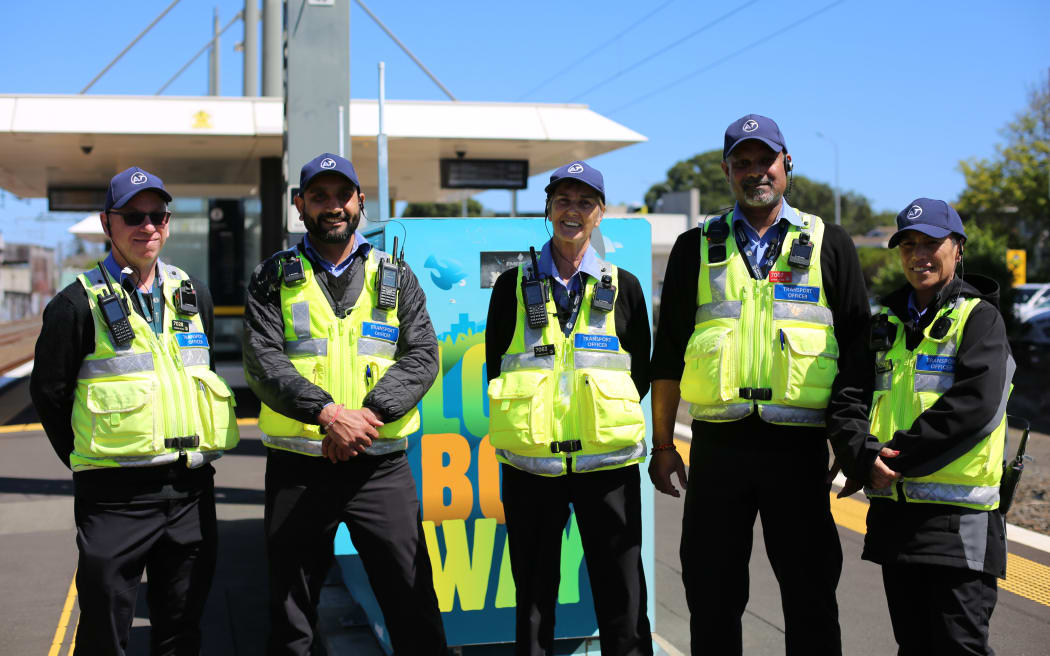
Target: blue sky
<point>907,89</point>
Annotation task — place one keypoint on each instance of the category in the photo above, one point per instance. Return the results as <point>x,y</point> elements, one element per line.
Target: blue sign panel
<point>452,460</point>
<point>800,293</point>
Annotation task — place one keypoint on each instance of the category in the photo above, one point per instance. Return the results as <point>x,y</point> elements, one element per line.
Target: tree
<point>1011,191</point>
<point>436,210</point>
<point>704,172</point>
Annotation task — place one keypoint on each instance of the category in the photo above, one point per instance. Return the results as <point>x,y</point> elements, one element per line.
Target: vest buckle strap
<point>187,442</point>
<point>756,393</point>
<point>566,446</point>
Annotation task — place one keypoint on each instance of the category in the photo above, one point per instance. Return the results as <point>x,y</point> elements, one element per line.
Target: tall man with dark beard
<point>340,373</point>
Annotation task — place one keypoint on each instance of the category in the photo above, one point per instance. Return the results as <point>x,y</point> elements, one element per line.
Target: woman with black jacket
<point>917,416</point>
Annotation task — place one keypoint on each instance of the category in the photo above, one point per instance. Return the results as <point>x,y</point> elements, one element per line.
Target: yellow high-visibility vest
<point>761,344</point>
<point>147,403</point>
<point>559,397</point>
<point>909,382</point>
<point>345,356</point>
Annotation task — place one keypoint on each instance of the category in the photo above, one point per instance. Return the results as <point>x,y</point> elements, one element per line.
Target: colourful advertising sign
<point>458,477</point>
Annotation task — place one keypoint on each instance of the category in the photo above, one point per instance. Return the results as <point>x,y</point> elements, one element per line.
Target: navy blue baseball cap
<point>326,163</point>
<point>934,218</point>
<point>753,126</point>
<point>581,171</point>
<point>129,182</point>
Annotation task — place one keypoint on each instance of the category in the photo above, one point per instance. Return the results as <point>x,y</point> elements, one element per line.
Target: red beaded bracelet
<point>664,447</point>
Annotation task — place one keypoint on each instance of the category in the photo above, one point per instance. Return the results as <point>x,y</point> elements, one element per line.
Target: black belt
<point>757,393</point>
<point>188,442</point>
<point>568,446</point>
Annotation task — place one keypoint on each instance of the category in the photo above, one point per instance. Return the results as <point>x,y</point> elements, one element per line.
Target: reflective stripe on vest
<point>577,402</point>
<point>908,383</point>
<point>786,370</point>
<point>307,446</point>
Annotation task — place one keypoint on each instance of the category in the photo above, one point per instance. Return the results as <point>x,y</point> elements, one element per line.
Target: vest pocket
<point>710,374</point>
<point>610,409</point>
<point>371,370</point>
<point>122,419</point>
<point>274,423</point>
<point>520,409</point>
<point>805,365</point>
<point>215,405</point>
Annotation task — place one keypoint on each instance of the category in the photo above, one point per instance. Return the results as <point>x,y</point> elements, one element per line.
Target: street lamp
<point>838,200</point>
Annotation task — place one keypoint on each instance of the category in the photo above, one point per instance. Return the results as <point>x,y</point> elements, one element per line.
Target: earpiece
<point>787,163</point>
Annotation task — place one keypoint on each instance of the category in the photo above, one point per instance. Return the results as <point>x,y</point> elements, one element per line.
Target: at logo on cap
<point>750,125</point>
<point>915,212</point>
<point>327,163</point>
<point>575,168</point>
<point>138,178</point>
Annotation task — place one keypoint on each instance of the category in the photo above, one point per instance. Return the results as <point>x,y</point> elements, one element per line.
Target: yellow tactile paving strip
<point>1025,578</point>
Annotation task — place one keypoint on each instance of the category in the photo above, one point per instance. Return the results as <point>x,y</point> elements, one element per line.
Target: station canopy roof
<point>211,146</point>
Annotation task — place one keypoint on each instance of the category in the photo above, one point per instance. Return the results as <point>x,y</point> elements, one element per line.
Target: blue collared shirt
<point>566,291</point>
<point>756,248</point>
<point>360,242</point>
<point>913,309</point>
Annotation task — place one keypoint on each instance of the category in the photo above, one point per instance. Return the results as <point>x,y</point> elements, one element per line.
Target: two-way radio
<point>604,295</point>
<point>534,294</point>
<point>388,282</point>
<point>115,313</point>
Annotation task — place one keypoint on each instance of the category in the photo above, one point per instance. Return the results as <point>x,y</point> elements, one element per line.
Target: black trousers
<point>306,500</point>
<point>174,540</point>
<point>939,610</point>
<point>609,515</point>
<point>778,473</point>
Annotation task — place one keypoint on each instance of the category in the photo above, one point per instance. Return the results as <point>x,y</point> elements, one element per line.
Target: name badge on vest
<point>780,276</point>
<point>180,325</point>
<point>597,342</point>
<point>189,340</point>
<point>939,364</point>
<point>797,293</point>
<point>383,331</point>
<point>543,349</point>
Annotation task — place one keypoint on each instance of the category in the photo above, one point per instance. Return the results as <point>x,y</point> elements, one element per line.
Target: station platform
<point>38,561</point>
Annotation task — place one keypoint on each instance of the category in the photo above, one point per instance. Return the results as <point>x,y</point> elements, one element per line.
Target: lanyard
<point>772,251</point>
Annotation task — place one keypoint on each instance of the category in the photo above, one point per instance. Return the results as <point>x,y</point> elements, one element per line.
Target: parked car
<point>1031,299</point>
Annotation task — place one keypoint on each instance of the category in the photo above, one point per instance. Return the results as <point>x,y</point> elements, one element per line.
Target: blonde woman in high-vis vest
<point>567,354</point>
<point>919,419</point>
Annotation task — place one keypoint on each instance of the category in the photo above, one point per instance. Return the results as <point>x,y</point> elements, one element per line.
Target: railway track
<point>17,340</point>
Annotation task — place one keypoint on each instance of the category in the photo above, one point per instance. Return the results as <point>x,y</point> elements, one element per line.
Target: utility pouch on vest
<point>717,232</point>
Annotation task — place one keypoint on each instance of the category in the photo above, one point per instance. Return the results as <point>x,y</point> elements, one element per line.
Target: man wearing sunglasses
<point>124,389</point>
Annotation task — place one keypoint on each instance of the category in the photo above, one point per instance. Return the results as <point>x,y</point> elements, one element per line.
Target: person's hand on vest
<point>881,475</point>
<point>662,464</point>
<point>349,432</point>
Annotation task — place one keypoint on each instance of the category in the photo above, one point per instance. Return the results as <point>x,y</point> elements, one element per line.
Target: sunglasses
<point>136,218</point>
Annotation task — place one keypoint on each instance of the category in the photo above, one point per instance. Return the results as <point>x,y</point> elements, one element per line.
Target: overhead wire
<point>605,44</point>
<point>661,51</point>
<point>726,58</point>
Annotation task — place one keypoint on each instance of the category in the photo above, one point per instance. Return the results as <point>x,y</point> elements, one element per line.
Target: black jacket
<point>273,378</point>
<point>843,284</point>
<point>67,336</point>
<point>632,324</point>
<point>914,532</point>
